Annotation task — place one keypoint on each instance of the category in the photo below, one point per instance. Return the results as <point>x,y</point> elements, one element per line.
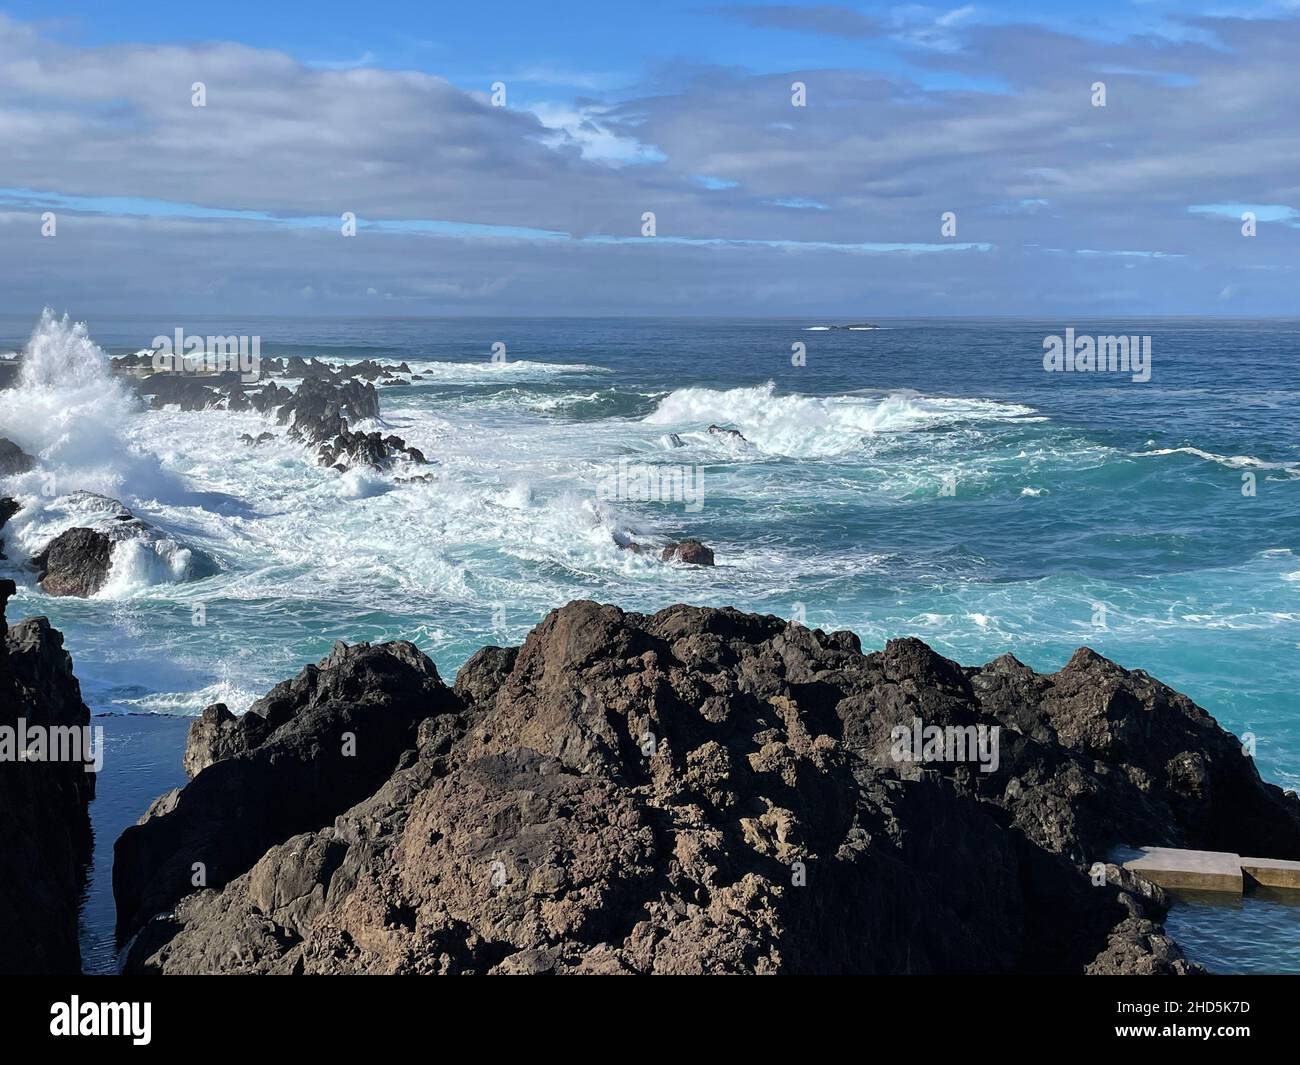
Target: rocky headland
<point>694,791</point>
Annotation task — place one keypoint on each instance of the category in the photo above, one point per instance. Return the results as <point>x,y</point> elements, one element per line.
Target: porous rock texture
<point>707,791</point>
<point>304,753</point>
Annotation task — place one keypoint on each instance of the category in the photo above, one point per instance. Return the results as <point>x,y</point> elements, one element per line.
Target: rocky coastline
<point>697,790</point>
<point>693,791</point>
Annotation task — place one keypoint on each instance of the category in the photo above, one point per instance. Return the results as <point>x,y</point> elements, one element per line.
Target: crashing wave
<point>799,426</point>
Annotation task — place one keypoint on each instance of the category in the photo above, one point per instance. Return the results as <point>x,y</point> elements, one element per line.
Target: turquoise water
<point>924,478</point>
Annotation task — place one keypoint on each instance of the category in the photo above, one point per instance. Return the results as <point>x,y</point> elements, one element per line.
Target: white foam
<point>486,370</point>
<point>799,426</point>
<point>1232,462</point>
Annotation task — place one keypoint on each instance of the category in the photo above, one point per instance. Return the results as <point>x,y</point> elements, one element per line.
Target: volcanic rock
<point>690,551</point>
<point>45,837</point>
<point>304,753</point>
<point>75,562</point>
<point>703,790</point>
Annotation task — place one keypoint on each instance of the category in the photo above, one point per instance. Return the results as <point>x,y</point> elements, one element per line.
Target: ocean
<point>926,478</point>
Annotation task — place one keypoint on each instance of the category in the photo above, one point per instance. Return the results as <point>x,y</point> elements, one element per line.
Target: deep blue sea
<point>927,477</point>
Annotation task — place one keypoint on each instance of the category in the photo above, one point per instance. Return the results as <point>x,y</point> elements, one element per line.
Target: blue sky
<point>914,113</point>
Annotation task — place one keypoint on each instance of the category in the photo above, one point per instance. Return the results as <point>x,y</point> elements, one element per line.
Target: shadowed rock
<point>75,562</point>
<point>14,459</point>
<point>302,754</point>
<point>45,837</point>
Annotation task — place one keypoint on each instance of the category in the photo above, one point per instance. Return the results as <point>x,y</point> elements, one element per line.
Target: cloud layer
<point>760,206</point>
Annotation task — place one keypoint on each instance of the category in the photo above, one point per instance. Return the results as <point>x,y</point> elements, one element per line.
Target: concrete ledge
<point>1190,870</point>
<point>1272,872</point>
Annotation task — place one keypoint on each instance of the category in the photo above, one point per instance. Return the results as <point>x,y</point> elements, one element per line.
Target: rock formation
<point>693,552</point>
<point>304,753</point>
<point>317,412</point>
<point>45,838</point>
<point>78,561</point>
<point>698,790</point>
<point>14,459</point>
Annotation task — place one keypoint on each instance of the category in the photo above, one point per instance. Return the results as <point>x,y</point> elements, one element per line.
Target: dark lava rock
<point>187,392</point>
<point>14,459</point>
<point>45,837</point>
<point>1091,756</point>
<point>8,508</point>
<point>718,430</point>
<point>304,753</point>
<point>318,415</point>
<point>322,403</point>
<point>690,551</point>
<point>75,562</point>
<point>702,790</point>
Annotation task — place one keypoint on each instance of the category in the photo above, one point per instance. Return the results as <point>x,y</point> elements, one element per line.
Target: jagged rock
<point>318,405</point>
<point>255,441</point>
<point>217,733</point>
<point>14,459</point>
<point>75,562</point>
<point>45,836</point>
<point>692,552</point>
<point>703,790</point>
<point>187,392</point>
<point>1090,756</point>
<point>318,415</point>
<point>302,754</point>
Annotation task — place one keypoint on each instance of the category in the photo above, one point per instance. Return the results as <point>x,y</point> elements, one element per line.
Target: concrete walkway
<point>1213,870</point>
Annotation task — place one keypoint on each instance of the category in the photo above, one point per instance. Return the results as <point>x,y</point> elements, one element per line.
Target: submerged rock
<point>696,790</point>
<point>735,434</point>
<point>45,836</point>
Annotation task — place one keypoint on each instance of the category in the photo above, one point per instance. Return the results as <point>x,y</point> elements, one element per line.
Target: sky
<point>504,158</point>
